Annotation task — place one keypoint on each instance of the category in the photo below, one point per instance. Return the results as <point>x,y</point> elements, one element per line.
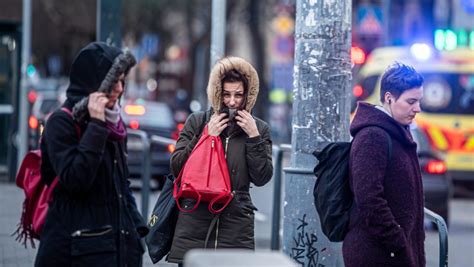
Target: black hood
<point>88,70</point>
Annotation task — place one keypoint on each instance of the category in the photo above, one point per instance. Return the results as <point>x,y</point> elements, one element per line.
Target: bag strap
<point>177,195</point>
<point>389,139</point>
<point>203,122</point>
<point>222,195</point>
<point>69,112</point>
<point>211,227</point>
<point>389,148</point>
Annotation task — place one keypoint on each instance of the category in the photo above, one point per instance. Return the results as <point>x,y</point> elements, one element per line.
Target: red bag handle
<point>177,195</point>
<point>222,195</point>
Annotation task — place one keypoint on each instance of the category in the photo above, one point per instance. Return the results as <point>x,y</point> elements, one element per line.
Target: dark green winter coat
<point>249,161</point>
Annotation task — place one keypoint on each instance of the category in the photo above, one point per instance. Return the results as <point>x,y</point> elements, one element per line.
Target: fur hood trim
<point>214,88</point>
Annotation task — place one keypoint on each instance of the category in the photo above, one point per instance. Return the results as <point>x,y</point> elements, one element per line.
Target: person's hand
<point>96,105</point>
<point>217,124</point>
<point>247,123</point>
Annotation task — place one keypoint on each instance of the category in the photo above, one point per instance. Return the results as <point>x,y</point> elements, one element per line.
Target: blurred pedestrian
<point>93,219</point>
<point>232,91</point>
<point>386,223</point>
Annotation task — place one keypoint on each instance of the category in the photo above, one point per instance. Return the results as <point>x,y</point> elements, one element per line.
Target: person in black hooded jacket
<point>93,219</point>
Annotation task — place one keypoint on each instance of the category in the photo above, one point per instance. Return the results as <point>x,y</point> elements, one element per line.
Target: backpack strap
<point>69,112</point>
<point>389,139</point>
<point>211,227</point>
<point>203,122</point>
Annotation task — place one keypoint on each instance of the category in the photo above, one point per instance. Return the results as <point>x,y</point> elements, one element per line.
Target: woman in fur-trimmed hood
<point>232,91</point>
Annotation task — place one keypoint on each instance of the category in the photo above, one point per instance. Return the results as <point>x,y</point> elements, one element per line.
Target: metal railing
<point>443,236</point>
<point>148,143</point>
<point>277,180</point>
<point>146,157</point>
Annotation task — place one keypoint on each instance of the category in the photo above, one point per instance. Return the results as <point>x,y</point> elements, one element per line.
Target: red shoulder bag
<point>205,176</point>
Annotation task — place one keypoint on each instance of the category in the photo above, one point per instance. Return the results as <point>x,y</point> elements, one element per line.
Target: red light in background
<point>134,124</point>
<point>33,122</point>
<point>32,96</point>
<point>435,167</point>
<point>357,55</point>
<point>358,91</point>
<point>171,148</point>
<point>179,128</point>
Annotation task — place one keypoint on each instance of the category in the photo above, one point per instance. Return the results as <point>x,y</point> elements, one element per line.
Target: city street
<point>461,232</point>
<point>137,76</point>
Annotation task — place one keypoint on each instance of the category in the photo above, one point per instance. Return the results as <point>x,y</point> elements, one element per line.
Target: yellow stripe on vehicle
<point>469,144</point>
<point>438,138</point>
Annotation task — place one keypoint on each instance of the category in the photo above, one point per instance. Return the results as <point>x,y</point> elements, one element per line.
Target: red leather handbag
<point>38,194</point>
<point>205,176</point>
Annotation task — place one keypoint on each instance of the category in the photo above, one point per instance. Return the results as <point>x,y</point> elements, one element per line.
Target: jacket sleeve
<point>187,140</point>
<point>259,157</point>
<point>369,161</point>
<point>76,160</point>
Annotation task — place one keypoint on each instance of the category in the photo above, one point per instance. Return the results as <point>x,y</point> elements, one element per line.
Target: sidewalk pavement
<point>14,254</point>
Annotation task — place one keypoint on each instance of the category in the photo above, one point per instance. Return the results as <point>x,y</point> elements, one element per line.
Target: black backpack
<point>333,197</point>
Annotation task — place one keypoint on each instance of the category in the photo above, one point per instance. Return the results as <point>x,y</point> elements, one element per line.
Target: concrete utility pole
<point>109,23</point>
<point>322,76</point>
<point>22,137</point>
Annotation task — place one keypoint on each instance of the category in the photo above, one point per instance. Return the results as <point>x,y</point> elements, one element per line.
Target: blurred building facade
<point>171,39</point>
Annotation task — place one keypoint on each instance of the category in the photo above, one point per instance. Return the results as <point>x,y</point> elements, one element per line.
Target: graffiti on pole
<point>304,250</point>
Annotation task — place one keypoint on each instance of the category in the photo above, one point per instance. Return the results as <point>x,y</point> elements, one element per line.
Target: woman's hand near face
<point>217,124</point>
<point>96,105</point>
<point>247,123</point>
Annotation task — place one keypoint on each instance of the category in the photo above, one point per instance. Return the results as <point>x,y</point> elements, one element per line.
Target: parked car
<point>156,120</point>
<point>45,96</point>
<point>437,184</point>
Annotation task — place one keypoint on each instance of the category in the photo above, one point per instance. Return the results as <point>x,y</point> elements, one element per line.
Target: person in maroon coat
<point>386,223</point>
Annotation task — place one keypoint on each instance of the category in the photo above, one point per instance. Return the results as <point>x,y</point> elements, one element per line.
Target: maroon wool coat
<point>386,225</point>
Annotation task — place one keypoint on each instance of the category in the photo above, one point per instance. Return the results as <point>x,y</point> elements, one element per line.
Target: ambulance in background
<point>447,115</point>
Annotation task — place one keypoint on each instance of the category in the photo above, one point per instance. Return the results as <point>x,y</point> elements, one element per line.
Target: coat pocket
<point>94,247</point>
<point>241,207</point>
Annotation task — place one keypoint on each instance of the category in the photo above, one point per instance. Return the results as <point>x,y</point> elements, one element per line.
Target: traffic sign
<point>369,20</point>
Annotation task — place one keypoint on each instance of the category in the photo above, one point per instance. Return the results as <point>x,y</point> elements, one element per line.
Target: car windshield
<point>448,93</point>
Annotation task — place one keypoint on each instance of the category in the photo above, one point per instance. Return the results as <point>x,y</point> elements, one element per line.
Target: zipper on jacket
<point>210,161</point>
<point>91,233</point>
<point>227,143</point>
